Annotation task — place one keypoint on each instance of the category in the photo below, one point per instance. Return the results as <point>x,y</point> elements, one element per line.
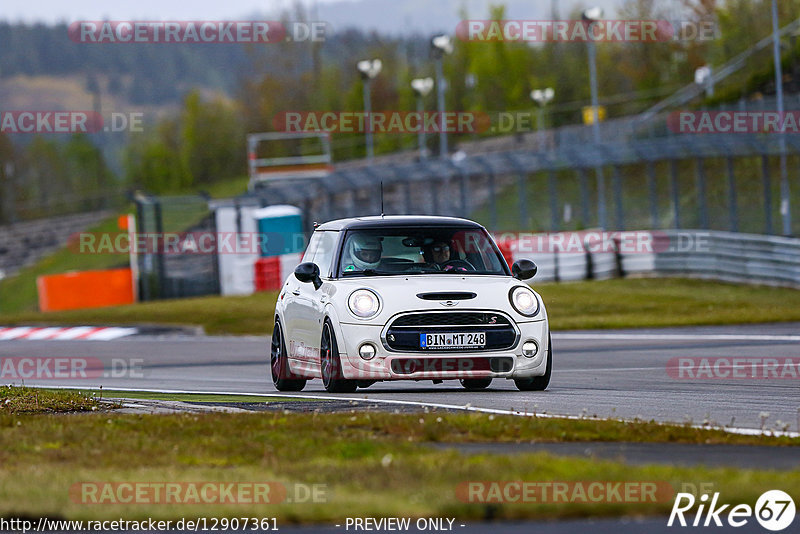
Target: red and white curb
<point>64,333</point>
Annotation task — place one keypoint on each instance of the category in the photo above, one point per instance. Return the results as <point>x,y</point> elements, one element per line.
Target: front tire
<point>475,384</point>
<point>331,364</point>
<point>538,383</point>
<point>282,377</point>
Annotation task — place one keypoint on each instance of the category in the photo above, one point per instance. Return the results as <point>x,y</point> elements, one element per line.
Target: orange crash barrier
<point>85,289</point>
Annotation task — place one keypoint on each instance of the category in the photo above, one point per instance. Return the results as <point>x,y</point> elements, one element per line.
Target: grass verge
<point>16,400</point>
<point>189,397</point>
<point>388,469</point>
<point>624,303</point>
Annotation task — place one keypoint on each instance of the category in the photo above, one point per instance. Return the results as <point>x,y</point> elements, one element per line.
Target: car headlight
<point>524,301</point>
<point>364,303</point>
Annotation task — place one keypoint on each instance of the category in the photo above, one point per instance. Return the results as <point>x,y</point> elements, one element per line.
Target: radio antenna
<point>382,212</point>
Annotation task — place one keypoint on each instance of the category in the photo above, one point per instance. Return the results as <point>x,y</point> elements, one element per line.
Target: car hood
<point>399,294</point>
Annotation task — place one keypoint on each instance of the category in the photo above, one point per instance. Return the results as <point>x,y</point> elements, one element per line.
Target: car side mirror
<point>308,272</point>
<point>524,269</point>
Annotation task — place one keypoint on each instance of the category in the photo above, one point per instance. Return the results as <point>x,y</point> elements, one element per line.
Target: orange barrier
<point>85,289</point>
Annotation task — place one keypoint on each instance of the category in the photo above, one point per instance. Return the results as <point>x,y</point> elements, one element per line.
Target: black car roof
<point>398,221</point>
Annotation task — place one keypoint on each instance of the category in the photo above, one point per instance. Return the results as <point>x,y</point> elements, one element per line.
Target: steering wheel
<point>457,265</point>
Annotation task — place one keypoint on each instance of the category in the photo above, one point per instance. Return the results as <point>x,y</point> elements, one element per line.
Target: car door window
<point>323,255</point>
<point>313,243</point>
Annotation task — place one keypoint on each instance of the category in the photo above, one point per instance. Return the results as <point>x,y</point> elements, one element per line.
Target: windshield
<point>404,251</point>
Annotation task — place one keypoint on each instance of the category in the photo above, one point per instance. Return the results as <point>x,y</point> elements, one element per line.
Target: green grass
<point>18,293</point>
<point>651,302</point>
<point>370,464</point>
<point>188,397</point>
<point>624,303</point>
<point>23,400</point>
<point>229,188</point>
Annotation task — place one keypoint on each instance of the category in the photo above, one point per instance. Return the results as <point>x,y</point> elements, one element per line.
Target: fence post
<point>767,183</point>
<point>331,208</point>
<point>144,286</point>
<point>617,179</point>
<point>701,193</point>
<point>584,187</point>
<point>492,192</point>
<point>732,204</point>
<point>464,189</point>
<point>653,193</point>
<point>522,178</point>
<point>159,252</point>
<point>676,199</point>
<point>552,191</point>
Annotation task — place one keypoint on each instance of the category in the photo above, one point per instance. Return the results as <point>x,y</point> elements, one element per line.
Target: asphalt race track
<point>611,373</point>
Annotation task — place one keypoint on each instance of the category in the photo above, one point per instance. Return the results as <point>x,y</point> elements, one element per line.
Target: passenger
<point>364,252</point>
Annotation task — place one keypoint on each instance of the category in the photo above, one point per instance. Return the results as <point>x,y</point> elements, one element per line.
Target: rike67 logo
<point>774,510</point>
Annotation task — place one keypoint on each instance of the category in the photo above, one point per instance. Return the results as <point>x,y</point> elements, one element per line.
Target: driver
<point>439,253</point>
<point>365,252</point>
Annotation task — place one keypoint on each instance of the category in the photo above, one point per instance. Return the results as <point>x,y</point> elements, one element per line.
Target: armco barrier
<point>86,289</point>
<point>726,256</point>
<point>733,257</point>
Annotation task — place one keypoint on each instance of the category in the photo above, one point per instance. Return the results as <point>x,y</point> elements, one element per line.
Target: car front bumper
<point>440,364</point>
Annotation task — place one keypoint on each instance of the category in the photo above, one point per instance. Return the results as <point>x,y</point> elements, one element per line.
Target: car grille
<point>404,332</point>
<point>407,366</point>
<point>451,319</point>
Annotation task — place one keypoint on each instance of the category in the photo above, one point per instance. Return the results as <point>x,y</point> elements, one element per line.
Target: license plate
<point>452,340</point>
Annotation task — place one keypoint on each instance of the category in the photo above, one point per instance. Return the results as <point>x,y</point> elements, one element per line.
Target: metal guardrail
<point>715,255</point>
<point>735,257</point>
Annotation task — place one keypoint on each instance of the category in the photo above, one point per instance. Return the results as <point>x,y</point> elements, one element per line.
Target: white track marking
<point>65,333</point>
<point>72,333</point>
<point>14,333</point>
<point>108,334</point>
<point>467,407</point>
<point>43,333</point>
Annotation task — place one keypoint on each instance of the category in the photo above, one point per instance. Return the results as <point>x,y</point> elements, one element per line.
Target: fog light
<point>529,349</point>
<point>367,351</point>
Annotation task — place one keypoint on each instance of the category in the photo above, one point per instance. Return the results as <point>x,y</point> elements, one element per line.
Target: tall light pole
<point>590,16</point>
<point>541,97</point>
<point>441,45</point>
<point>369,69</point>
<point>786,208</point>
<point>422,88</point>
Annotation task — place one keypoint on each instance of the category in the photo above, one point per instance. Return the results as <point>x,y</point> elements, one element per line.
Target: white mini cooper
<point>408,298</point>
